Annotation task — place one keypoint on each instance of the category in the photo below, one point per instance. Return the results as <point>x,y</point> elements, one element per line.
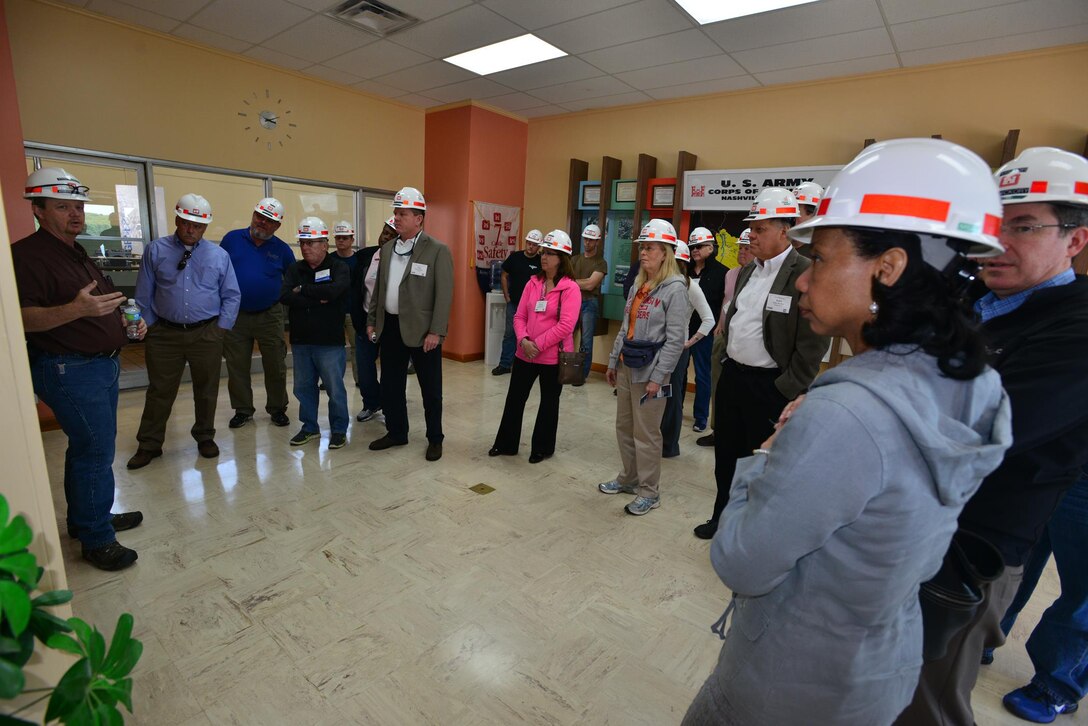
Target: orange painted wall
<point>20,221</point>
<point>471,154</point>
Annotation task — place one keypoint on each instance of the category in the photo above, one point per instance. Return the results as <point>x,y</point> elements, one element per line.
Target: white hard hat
<point>591,231</point>
<point>270,207</point>
<point>744,238</point>
<point>52,182</point>
<point>808,193</point>
<point>774,203</point>
<point>410,198</point>
<point>312,228</point>
<point>683,254</point>
<point>391,223</point>
<point>558,240</point>
<point>700,236</point>
<point>936,189</point>
<point>535,237</point>
<point>658,230</point>
<point>194,208</point>
<point>343,228</point>
<point>1044,174</point>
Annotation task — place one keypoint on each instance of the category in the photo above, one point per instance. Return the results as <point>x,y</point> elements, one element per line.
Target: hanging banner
<point>495,227</point>
<point>736,189</point>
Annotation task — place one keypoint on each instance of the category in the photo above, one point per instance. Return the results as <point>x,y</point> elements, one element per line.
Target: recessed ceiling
<point>621,51</point>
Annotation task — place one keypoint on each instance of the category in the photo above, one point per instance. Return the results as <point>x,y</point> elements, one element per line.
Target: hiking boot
<point>111,557</point>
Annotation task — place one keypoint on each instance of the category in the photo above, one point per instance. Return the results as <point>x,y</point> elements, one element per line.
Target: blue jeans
<point>700,353</point>
<point>590,308</point>
<point>506,357</point>
<point>366,367</point>
<point>672,421</point>
<point>1058,647</point>
<point>328,363</point>
<point>83,395</point>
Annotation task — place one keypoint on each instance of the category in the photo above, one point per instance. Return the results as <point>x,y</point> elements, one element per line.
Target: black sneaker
<point>304,437</point>
<point>111,557</point>
<point>239,420</point>
<point>499,370</point>
<point>707,440</point>
<point>120,522</point>
<point>279,418</point>
<point>706,530</point>
<point>338,441</point>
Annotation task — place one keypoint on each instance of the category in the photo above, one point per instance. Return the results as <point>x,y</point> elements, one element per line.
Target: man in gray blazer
<point>772,355</point>
<point>408,318</point>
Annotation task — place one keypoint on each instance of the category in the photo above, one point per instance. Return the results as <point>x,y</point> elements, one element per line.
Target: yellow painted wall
<point>92,83</point>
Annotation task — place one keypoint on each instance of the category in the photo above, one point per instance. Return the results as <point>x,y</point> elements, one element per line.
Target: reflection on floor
<point>281,585</point>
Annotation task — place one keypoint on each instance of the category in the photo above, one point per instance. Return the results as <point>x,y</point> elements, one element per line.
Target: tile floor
<point>281,585</point>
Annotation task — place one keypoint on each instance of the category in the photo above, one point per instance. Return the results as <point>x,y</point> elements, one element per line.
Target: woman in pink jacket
<point>545,319</point>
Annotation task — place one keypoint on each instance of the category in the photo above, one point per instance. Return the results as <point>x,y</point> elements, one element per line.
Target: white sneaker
<point>641,505</point>
<point>367,414</point>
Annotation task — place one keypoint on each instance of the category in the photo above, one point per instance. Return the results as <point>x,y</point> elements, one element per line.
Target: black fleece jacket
<point>316,311</point>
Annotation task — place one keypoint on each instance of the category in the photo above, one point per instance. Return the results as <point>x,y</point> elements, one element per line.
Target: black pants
<point>395,357</point>
<point>748,405</point>
<point>522,377</point>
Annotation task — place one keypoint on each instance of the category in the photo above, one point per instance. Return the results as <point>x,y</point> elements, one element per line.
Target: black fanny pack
<point>639,353</point>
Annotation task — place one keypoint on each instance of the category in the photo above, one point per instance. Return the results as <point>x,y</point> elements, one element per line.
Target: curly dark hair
<point>925,307</point>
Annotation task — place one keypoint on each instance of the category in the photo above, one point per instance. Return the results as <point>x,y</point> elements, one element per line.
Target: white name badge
<point>779,303</point>
<point>322,275</point>
<point>541,305</point>
<point>419,269</point>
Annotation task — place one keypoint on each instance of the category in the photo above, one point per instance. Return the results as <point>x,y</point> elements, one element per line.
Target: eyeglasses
<point>184,259</point>
<point>548,253</point>
<point>1026,230</point>
<point>305,242</point>
<point>73,189</point>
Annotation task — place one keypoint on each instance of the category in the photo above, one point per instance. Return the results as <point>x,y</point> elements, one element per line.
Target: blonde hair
<point>667,269</point>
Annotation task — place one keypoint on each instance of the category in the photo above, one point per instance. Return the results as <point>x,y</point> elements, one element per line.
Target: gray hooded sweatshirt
<point>827,538</point>
<point>662,318</point>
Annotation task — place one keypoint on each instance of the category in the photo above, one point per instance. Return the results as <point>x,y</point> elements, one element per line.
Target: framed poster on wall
<point>591,195</point>
<point>663,195</point>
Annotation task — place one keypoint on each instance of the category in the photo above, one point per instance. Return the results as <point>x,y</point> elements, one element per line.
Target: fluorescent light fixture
<point>513,53</point>
<point>714,11</point>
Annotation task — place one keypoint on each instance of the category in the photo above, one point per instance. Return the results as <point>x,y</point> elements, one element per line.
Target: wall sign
<point>736,189</point>
<point>496,228</point>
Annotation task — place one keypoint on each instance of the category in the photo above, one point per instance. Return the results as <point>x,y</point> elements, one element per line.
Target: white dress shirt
<point>745,344</point>
<point>398,265</point>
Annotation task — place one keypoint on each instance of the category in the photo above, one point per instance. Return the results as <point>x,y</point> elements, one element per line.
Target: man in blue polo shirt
<point>260,259</point>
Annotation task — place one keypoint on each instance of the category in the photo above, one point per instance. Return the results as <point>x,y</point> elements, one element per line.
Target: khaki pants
<point>167,350</point>
<point>638,433</point>
<point>716,355</point>
<point>265,327</point>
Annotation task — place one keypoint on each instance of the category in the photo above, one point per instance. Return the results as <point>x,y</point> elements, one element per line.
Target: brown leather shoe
<point>142,458</point>
<point>207,449</point>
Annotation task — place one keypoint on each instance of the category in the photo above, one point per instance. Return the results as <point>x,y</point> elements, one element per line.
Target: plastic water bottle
<point>131,311</point>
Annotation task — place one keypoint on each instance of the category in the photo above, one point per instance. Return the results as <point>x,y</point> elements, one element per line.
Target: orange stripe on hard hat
<point>785,210</point>
<point>1039,187</point>
<point>896,204</point>
<point>991,224</point>
<point>1080,187</point>
<point>824,205</point>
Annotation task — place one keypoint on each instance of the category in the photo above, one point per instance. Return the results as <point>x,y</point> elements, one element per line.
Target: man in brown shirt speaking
<point>74,331</point>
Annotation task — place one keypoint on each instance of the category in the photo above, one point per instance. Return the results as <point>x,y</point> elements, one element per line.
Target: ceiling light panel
<point>514,53</point>
<point>714,11</point>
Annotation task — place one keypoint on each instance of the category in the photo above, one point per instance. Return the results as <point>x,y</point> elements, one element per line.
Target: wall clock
<point>267,121</point>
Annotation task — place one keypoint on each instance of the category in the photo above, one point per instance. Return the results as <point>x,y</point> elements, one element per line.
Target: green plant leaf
<point>9,646</point>
<point>4,511</point>
<point>12,680</point>
<point>14,606</point>
<point>44,624</point>
<point>51,598</point>
<point>82,715</point>
<point>129,657</point>
<point>22,566</point>
<point>6,720</point>
<point>119,691</point>
<point>96,650</point>
<point>108,715</point>
<point>122,636</point>
<point>82,630</point>
<point>66,643</point>
<point>70,692</point>
<point>26,649</point>
<point>15,536</point>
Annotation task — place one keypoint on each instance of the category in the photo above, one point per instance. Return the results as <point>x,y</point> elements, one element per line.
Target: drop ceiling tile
<point>830,70</point>
<point>533,15</point>
<point>846,46</point>
<point>415,99</point>
<point>319,38</point>
<point>579,90</point>
<point>379,89</point>
<point>997,46</point>
<point>547,73</point>
<point>252,20</point>
<point>461,30</point>
<point>1023,17</point>
<point>701,69</point>
<point>803,22</point>
<point>177,9</point>
<point>332,74</point>
<point>427,75</point>
<point>621,99</point>
<point>514,101</point>
<point>77,3</point>
<point>476,88</point>
<point>277,59</point>
<point>210,37</point>
<point>136,16</point>
<point>427,9</point>
<point>377,59</point>
<point>637,21</point>
<point>904,11</point>
<point>538,111</point>
<point>702,88</point>
<point>671,48</point>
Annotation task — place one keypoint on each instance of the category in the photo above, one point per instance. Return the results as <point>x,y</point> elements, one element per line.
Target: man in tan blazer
<point>771,353</point>
<point>408,318</point>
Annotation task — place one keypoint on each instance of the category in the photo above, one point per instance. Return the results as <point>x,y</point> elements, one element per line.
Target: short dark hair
<point>924,307</point>
<point>1070,214</point>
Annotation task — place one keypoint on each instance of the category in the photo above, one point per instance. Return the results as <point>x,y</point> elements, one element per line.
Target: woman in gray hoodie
<point>835,522</point>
